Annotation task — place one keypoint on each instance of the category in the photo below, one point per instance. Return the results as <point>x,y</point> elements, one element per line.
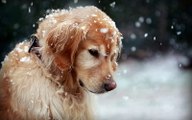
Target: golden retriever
<point>72,53</point>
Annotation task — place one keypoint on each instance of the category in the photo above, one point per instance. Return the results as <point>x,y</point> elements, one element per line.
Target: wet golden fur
<point>48,87</point>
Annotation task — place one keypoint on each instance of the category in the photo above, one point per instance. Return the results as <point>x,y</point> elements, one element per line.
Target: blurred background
<point>154,75</point>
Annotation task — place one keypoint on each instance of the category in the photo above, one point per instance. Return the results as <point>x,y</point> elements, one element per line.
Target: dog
<point>50,76</point>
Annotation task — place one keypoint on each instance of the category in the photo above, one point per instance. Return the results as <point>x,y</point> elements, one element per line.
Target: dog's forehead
<point>102,33</point>
<point>104,42</point>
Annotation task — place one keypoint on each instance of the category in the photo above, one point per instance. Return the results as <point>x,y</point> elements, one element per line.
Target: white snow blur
<point>145,35</point>
<point>113,4</point>
<point>155,89</point>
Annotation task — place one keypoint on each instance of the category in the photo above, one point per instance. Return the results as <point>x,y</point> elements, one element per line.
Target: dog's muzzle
<point>109,85</point>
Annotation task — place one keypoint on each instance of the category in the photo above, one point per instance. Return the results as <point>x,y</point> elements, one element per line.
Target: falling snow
<point>147,1</point>
<point>125,98</point>
<point>75,1</point>
<point>137,24</point>
<point>172,27</point>
<point>16,26</point>
<point>125,71</point>
<point>157,13</point>
<point>146,35</point>
<point>31,3</point>
<point>40,19</point>
<point>133,49</point>
<point>113,4</point>
<point>133,36</point>
<point>178,32</point>
<point>148,91</point>
<point>4,1</point>
<point>139,80</point>
<point>29,9</point>
<point>154,38</point>
<point>148,20</point>
<point>141,19</point>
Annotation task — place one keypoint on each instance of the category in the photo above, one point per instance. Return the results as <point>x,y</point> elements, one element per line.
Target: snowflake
<point>104,30</point>
<point>133,49</point>
<point>113,4</point>
<point>137,24</point>
<point>25,59</point>
<point>178,32</point>
<point>145,35</point>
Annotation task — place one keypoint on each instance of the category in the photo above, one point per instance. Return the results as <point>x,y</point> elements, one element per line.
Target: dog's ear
<point>63,41</point>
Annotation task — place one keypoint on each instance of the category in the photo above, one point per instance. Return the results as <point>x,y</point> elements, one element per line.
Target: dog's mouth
<point>85,88</point>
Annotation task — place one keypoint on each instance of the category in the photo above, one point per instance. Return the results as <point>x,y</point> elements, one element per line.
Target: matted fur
<point>48,87</point>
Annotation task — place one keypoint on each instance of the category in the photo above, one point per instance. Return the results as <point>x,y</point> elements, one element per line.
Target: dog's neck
<point>67,80</point>
<point>64,79</point>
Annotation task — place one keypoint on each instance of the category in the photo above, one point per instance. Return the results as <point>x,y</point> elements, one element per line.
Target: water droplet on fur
<point>26,48</point>
<point>25,59</point>
<point>94,15</point>
<point>83,27</point>
<point>104,30</point>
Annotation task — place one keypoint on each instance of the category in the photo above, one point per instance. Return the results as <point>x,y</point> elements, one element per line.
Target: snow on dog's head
<point>84,40</point>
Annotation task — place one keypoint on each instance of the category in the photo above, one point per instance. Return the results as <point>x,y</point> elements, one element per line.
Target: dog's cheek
<point>62,63</point>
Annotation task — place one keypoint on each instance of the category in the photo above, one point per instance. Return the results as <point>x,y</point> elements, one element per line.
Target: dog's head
<point>86,40</point>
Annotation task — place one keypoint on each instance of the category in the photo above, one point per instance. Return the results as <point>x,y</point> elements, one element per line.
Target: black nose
<point>110,85</point>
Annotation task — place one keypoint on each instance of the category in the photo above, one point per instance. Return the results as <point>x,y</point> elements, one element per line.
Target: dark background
<point>148,26</point>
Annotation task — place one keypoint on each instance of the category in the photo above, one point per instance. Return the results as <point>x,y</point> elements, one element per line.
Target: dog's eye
<point>94,52</point>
